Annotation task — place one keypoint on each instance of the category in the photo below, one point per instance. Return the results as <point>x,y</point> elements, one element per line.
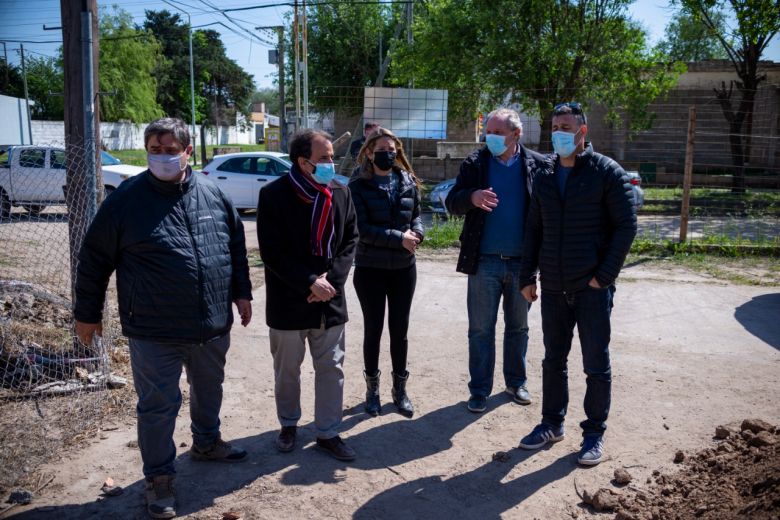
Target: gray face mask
<point>164,166</point>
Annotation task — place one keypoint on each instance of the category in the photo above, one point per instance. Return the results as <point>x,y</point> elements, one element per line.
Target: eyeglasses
<point>575,107</point>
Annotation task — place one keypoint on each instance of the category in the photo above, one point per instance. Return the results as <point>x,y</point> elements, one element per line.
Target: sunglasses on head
<point>575,107</point>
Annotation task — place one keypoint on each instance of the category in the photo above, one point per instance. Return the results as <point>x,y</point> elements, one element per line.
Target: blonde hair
<point>367,167</point>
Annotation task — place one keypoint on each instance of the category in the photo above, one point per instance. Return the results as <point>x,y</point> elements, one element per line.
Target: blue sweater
<point>503,231</point>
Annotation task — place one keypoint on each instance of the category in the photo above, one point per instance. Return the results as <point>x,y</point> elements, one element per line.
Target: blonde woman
<point>387,203</point>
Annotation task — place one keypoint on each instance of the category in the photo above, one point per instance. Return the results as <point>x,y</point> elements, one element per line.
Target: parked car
<point>439,193</point>
<point>636,184</point>
<point>242,175</point>
<point>34,176</point>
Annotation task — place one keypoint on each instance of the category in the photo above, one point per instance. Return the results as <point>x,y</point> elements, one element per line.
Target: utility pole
<point>280,62</point>
<point>296,38</point>
<point>26,94</point>
<point>5,56</point>
<point>192,82</point>
<point>305,68</point>
<point>80,50</point>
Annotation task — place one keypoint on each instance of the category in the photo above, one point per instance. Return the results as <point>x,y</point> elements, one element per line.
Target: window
<point>32,158</point>
<point>253,166</point>
<point>58,160</point>
<point>237,165</point>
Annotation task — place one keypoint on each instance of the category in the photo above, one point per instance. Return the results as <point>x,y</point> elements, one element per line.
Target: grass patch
<point>745,270</point>
<point>138,157</point>
<point>444,233</point>
<point>675,193</point>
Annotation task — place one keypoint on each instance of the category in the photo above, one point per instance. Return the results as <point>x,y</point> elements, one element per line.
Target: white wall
<point>13,114</point>
<point>128,136</point>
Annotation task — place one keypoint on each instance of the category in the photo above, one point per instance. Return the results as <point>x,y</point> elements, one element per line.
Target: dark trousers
<point>156,374</point>
<point>374,287</point>
<point>590,310</point>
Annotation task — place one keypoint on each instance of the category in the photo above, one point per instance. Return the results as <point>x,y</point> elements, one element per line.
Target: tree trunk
<point>545,137</point>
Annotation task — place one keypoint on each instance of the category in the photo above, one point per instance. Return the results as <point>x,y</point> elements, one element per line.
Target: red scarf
<point>321,196</point>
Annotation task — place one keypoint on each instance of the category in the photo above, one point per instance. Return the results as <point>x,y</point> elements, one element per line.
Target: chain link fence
<point>53,389</point>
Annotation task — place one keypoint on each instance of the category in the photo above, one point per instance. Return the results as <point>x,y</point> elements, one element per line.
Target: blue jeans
<point>156,374</point>
<point>590,310</point>
<point>496,277</point>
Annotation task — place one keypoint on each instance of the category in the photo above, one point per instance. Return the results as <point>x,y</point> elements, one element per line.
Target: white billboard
<point>415,113</point>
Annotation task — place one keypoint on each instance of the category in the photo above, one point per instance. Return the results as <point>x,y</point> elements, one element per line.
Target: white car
<point>241,176</point>
<point>33,177</point>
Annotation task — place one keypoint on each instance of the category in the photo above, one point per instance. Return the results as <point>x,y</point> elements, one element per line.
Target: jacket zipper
<point>197,263</point>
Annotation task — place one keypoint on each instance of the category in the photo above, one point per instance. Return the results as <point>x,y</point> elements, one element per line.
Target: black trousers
<point>374,287</point>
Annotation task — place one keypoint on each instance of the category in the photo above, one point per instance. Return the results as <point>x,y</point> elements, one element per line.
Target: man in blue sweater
<point>492,190</point>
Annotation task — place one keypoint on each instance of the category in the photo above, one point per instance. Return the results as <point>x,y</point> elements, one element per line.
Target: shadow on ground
<point>761,317</point>
<point>199,484</point>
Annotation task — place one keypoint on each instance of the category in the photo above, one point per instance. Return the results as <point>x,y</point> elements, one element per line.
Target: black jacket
<point>382,224</point>
<point>283,232</point>
<point>180,259</point>
<point>473,176</point>
<point>586,233</point>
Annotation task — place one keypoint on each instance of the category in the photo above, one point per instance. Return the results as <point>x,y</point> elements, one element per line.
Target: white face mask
<point>165,167</point>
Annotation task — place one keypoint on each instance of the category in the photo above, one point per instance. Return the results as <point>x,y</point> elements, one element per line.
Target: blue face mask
<point>563,143</point>
<point>496,144</point>
<point>323,172</point>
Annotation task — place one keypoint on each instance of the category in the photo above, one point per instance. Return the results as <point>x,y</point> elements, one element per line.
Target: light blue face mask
<point>563,143</point>
<point>496,144</point>
<point>323,172</point>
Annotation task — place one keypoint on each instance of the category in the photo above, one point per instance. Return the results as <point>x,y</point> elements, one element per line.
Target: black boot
<point>373,406</point>
<point>400,398</point>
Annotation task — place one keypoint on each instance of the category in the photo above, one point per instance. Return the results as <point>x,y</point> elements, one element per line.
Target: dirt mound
<point>738,478</point>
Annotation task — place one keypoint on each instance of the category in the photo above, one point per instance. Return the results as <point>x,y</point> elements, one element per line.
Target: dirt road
<point>687,355</point>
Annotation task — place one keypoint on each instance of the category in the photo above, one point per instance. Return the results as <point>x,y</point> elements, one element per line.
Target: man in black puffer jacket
<point>580,227</point>
<point>177,245</point>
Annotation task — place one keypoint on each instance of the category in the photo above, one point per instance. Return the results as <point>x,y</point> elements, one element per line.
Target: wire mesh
<point>52,387</point>
<point>735,191</point>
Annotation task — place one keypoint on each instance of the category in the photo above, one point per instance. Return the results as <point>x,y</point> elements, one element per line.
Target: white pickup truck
<point>33,177</point>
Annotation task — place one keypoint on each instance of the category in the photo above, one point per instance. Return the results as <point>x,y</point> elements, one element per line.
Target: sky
<point>25,19</point>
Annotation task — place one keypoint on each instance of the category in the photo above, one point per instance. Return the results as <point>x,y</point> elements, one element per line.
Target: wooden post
<point>688,174</point>
<point>76,133</point>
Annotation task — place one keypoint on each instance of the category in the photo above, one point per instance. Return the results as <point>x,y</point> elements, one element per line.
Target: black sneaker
<point>286,440</point>
<point>477,404</point>
<point>336,448</point>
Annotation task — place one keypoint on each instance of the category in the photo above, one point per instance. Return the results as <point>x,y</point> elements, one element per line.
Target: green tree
<point>269,96</point>
<point>688,39</point>
<point>226,87</point>
<point>172,72</point>
<point>344,51</point>
<point>757,23</point>
<point>44,86</point>
<point>536,53</point>
<point>44,78</point>
<point>128,57</point>
<point>11,80</point>
<point>222,87</point>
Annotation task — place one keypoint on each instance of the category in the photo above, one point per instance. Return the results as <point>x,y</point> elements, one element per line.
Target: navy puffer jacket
<point>382,222</point>
<point>180,257</point>
<point>584,234</point>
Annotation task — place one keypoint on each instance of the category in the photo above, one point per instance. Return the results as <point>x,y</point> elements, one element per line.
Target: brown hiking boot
<point>220,451</point>
<point>160,500</point>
